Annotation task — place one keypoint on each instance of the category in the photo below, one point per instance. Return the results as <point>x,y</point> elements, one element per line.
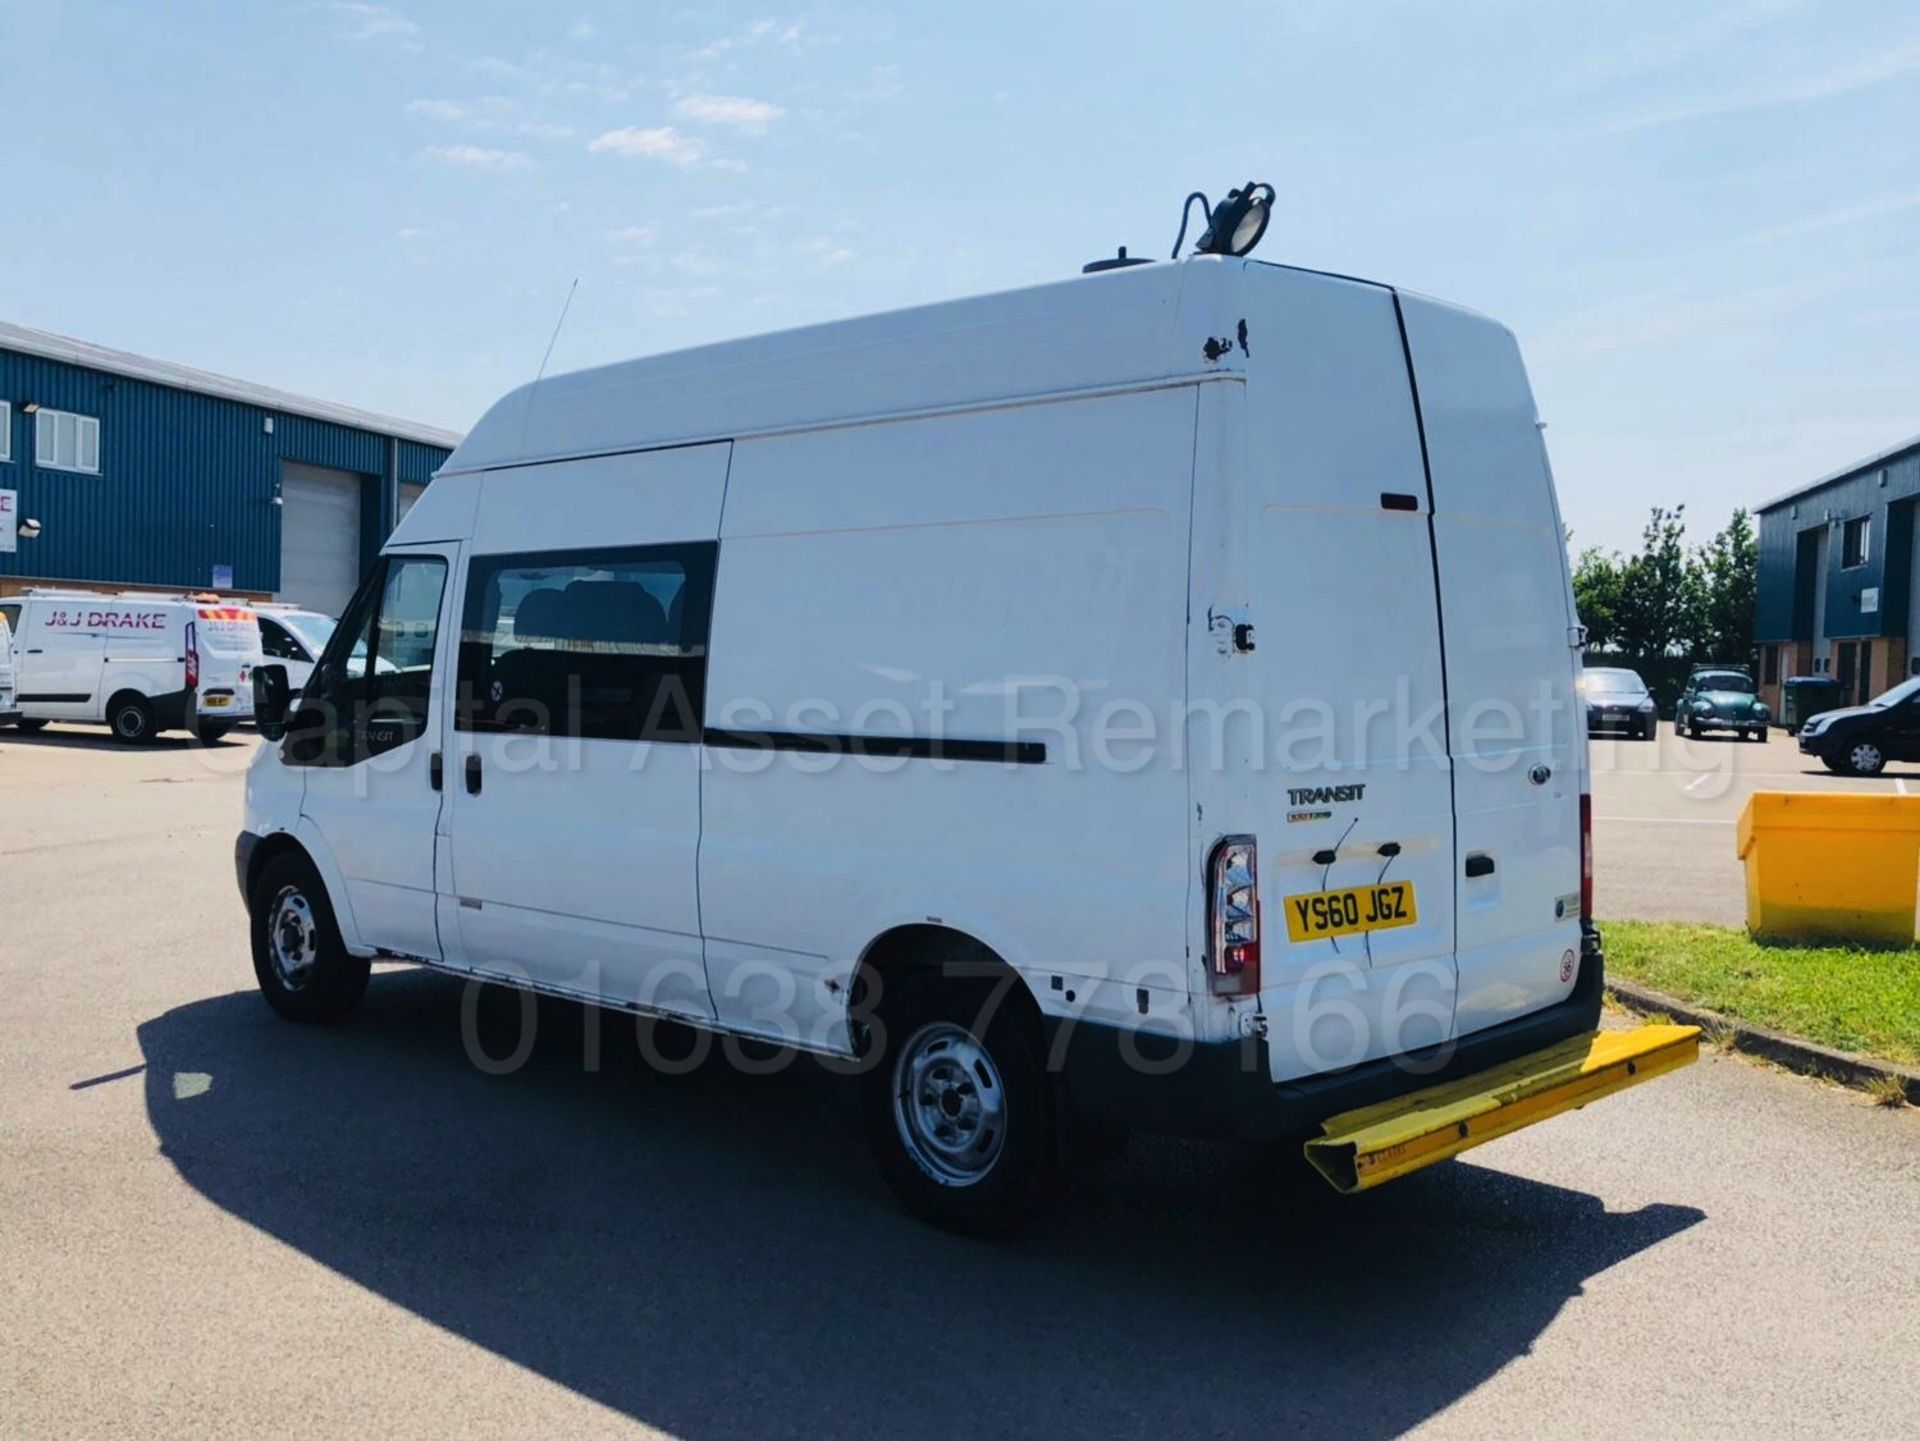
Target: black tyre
<point>1761,735</point>
<point>1649,730</point>
<point>32,725</point>
<point>1863,758</point>
<point>131,720</point>
<point>208,732</point>
<point>303,969</point>
<point>958,1107</point>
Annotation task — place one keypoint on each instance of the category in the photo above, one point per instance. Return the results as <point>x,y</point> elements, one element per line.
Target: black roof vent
<point>1114,262</point>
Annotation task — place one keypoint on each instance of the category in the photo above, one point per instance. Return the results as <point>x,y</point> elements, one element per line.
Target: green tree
<point>1727,570</point>
<point>1658,612</point>
<point>1596,597</point>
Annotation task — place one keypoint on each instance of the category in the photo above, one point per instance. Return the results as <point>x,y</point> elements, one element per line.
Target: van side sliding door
<point>573,778</point>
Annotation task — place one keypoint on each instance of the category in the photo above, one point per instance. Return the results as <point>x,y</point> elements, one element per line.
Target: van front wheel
<point>957,1106</point>
<point>303,969</point>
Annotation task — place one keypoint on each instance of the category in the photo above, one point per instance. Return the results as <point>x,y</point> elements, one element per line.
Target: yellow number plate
<point>1318,914</point>
<point>214,702</point>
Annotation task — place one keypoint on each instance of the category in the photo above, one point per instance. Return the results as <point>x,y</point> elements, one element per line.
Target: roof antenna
<point>527,413</point>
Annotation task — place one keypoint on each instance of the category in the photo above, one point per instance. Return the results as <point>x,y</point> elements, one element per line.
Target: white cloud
<point>739,111</point>
<point>760,32</point>
<point>1896,63</point>
<point>373,22</point>
<point>635,235</point>
<point>661,142</point>
<point>580,30</point>
<point>410,233</point>
<point>439,109</point>
<point>491,112</point>
<point>477,157</point>
<point>1838,219</point>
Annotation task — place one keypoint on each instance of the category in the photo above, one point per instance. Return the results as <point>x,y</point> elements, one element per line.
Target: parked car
<point>294,637</point>
<point>755,687</point>
<point>139,663</point>
<point>1618,701</point>
<point>1860,740</point>
<point>1721,698</point>
<point>9,711</point>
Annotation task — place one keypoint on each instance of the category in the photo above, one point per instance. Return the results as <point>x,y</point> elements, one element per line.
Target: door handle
<point>1479,865</point>
<point>436,771</point>
<point>473,775</point>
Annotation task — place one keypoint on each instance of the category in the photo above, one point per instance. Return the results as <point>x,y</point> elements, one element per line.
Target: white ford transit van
<point>139,663</point>
<point>1143,701</point>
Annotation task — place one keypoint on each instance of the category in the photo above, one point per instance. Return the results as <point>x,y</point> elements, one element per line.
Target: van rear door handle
<point>1479,865</point>
<point>436,771</point>
<point>473,775</point>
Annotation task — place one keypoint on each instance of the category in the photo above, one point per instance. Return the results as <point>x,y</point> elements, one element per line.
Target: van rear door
<point>1353,791</point>
<point>1517,739</point>
<point>228,638</point>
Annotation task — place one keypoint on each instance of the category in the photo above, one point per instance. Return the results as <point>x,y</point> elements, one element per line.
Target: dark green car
<point>1721,699</point>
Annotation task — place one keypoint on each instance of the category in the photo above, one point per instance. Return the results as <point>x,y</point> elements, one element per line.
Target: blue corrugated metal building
<point>1836,588</point>
<point>144,473</point>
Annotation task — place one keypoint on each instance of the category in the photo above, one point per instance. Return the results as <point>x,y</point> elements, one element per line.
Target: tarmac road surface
<point>216,1224</point>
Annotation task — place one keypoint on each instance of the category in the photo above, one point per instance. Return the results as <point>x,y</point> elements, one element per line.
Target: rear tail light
<point>1586,856</point>
<point>193,656</point>
<point>1233,917</point>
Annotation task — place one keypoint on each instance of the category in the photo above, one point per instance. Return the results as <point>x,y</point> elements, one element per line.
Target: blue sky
<point>1702,219</point>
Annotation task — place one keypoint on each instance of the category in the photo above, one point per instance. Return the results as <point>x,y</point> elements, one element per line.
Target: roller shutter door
<point>409,493</point>
<point>319,536</point>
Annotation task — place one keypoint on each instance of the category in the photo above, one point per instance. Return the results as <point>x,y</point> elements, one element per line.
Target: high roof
<point>48,346</point>
<point>1117,328</point>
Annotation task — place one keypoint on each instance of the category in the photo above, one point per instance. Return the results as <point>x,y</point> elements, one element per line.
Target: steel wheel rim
<point>293,938</point>
<point>130,722</point>
<point>1865,756</point>
<point>949,1104</point>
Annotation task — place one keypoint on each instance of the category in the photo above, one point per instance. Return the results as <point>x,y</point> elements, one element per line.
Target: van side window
<point>12,615</point>
<point>600,644</point>
<point>371,690</point>
<point>276,643</point>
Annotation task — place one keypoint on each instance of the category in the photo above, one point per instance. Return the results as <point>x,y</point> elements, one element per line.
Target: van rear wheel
<point>32,725</point>
<point>131,719</point>
<point>301,964</point>
<point>958,1109</point>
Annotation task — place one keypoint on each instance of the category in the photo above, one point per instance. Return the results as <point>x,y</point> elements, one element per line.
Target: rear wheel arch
<point>931,948</point>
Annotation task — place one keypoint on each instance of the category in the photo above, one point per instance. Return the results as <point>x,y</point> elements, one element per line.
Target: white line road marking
<point>1699,780</point>
<point>1900,786</point>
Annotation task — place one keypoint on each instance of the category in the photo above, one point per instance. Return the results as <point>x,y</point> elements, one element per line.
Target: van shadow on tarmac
<point>713,1254</point>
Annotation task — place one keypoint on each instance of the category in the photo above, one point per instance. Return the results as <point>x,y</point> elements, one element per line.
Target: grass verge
<point>1865,1001</point>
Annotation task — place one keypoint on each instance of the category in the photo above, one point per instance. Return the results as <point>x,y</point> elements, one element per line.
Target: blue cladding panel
<point>1829,506</point>
<point>186,481</point>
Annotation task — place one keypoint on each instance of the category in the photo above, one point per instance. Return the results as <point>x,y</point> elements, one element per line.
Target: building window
<point>1853,543</point>
<point>1772,665</point>
<point>6,431</point>
<point>65,441</point>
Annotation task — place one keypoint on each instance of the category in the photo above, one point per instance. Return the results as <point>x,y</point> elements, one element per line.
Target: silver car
<point>1618,702</point>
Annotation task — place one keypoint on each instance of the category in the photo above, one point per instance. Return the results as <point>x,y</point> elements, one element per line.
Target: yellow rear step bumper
<point>1365,1148</point>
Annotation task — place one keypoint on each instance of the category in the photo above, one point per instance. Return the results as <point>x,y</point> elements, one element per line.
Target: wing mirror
<point>272,696</point>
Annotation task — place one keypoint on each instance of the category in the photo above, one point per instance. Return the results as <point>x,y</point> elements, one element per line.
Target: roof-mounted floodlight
<point>1235,226</point>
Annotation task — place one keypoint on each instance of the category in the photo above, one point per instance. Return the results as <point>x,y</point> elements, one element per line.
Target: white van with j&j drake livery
<point>139,663</point>
<point>1146,701</point>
